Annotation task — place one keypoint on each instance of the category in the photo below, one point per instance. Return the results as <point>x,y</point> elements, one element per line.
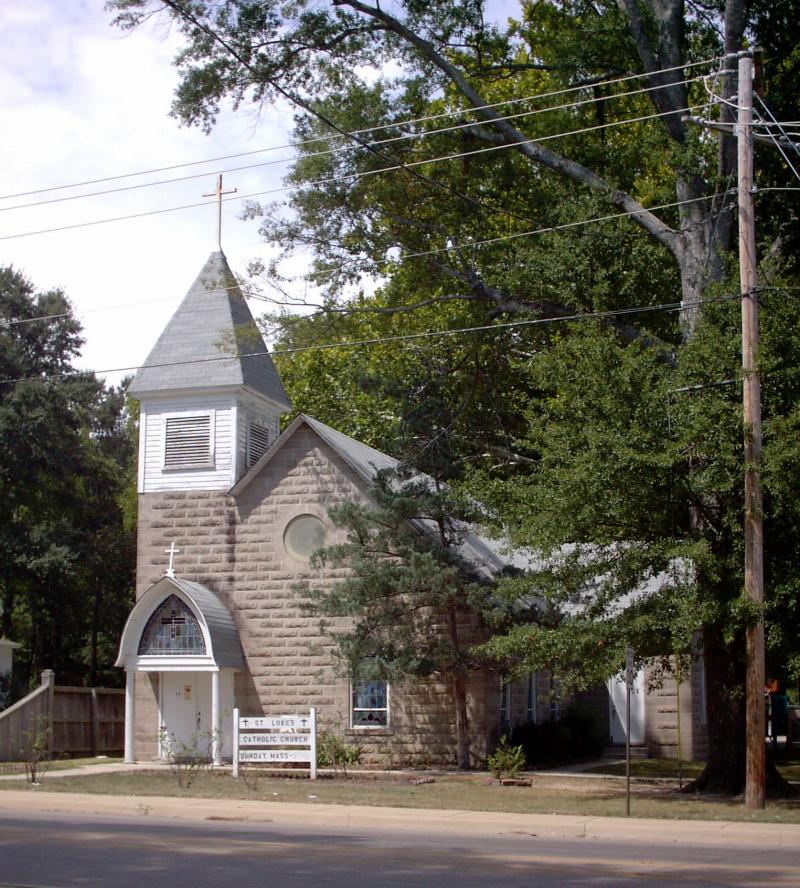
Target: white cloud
<point>87,102</point>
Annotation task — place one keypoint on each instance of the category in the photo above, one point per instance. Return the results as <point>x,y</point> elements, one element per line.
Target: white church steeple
<point>210,396</point>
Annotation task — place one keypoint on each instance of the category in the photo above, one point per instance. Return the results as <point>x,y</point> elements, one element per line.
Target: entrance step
<point>616,752</point>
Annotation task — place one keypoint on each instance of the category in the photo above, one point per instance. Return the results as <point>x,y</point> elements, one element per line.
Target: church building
<point>230,510</point>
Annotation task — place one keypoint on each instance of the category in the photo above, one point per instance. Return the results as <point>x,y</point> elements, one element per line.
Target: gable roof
<point>486,556</point>
<point>191,351</point>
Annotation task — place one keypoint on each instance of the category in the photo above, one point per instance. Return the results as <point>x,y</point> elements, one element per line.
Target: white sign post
<point>275,740</point>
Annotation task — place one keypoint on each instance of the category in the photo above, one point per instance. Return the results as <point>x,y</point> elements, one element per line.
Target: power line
<point>379,340</point>
<point>776,142</point>
<point>188,16</point>
<point>385,126</point>
<point>549,229</point>
<point>452,249</point>
<point>334,151</point>
<point>350,177</point>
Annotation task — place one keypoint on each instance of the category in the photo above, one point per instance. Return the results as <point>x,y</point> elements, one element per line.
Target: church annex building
<point>230,510</point>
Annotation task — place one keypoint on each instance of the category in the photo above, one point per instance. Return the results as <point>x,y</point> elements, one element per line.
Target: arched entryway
<point>183,632</point>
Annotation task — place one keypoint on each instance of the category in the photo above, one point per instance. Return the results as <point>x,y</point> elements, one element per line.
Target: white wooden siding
<point>217,477</point>
<point>253,410</point>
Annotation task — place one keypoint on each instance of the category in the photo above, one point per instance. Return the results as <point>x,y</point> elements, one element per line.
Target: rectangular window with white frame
<point>189,441</point>
<point>369,704</point>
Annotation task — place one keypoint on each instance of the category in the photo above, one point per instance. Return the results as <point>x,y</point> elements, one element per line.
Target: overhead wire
<point>379,340</point>
<point>551,228</point>
<point>448,249</point>
<point>776,142</point>
<point>393,125</point>
<point>334,151</point>
<point>351,177</point>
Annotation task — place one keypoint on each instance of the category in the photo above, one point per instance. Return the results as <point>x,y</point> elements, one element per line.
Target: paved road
<point>47,850</point>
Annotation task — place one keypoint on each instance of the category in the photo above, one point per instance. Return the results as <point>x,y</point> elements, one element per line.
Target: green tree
<point>415,605</point>
<point>625,451</point>
<point>65,558</point>
<point>259,49</point>
<point>420,230</point>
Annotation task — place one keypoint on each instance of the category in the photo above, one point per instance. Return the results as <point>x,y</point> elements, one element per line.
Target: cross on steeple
<point>219,192</point>
<point>172,552</point>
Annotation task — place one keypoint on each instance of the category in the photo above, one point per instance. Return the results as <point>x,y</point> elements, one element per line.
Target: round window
<point>303,536</point>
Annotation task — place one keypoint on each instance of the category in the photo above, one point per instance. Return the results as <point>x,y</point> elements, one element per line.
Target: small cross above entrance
<point>172,552</point>
<point>219,193</point>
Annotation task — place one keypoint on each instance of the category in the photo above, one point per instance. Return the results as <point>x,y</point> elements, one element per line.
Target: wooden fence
<point>74,721</point>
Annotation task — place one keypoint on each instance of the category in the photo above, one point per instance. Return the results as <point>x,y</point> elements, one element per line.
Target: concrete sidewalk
<point>407,820</point>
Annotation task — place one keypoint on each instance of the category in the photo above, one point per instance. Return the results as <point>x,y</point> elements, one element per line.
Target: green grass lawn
<point>650,768</point>
<point>787,763</point>
<point>587,797</point>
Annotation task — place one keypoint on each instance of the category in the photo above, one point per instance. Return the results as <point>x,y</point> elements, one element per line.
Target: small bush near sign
<point>335,752</point>
<point>507,761</point>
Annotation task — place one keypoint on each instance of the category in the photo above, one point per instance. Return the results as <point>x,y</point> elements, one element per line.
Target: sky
<point>83,101</point>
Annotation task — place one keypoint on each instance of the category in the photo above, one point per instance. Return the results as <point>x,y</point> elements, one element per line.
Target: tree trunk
<point>724,772</point>
<point>94,633</point>
<point>724,670</point>
<point>463,757</point>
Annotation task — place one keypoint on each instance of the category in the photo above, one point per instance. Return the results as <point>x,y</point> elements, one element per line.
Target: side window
<point>188,441</point>
<point>369,704</point>
<point>532,713</point>
<point>257,442</point>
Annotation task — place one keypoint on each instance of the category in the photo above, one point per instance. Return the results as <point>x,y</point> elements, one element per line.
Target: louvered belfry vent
<point>188,442</point>
<point>257,443</point>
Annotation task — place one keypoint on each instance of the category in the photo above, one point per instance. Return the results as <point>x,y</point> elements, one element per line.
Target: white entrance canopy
<point>178,626</point>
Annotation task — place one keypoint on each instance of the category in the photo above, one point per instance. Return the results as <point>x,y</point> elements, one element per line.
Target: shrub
<point>37,750</point>
<point>578,736</point>
<point>188,760</point>
<point>506,761</point>
<point>333,751</point>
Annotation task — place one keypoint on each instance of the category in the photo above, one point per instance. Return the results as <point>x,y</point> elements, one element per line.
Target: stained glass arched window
<point>172,629</point>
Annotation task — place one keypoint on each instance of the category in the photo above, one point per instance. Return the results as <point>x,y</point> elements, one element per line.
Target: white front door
<point>616,695</point>
<point>185,713</point>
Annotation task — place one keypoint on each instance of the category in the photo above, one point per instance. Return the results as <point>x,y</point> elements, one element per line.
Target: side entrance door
<point>616,695</point>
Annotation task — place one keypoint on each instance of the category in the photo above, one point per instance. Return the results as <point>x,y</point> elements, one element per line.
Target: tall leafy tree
<point>415,604</point>
<point>65,557</point>
<point>457,235</point>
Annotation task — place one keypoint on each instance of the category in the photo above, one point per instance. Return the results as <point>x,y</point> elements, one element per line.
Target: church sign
<point>275,740</point>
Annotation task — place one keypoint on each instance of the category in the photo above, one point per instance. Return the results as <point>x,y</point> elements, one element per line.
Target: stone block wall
<point>663,698</point>
<point>146,726</point>
<point>234,545</point>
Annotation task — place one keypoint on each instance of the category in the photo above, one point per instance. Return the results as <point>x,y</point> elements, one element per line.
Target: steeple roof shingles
<point>212,320</point>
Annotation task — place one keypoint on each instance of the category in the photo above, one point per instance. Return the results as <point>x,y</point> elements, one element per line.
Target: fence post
<point>49,682</point>
<point>94,724</point>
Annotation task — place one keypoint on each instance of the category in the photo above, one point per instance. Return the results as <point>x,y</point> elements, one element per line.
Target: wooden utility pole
<point>755,785</point>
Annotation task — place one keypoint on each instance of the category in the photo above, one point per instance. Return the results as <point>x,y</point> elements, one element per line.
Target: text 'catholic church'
<point>236,508</point>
